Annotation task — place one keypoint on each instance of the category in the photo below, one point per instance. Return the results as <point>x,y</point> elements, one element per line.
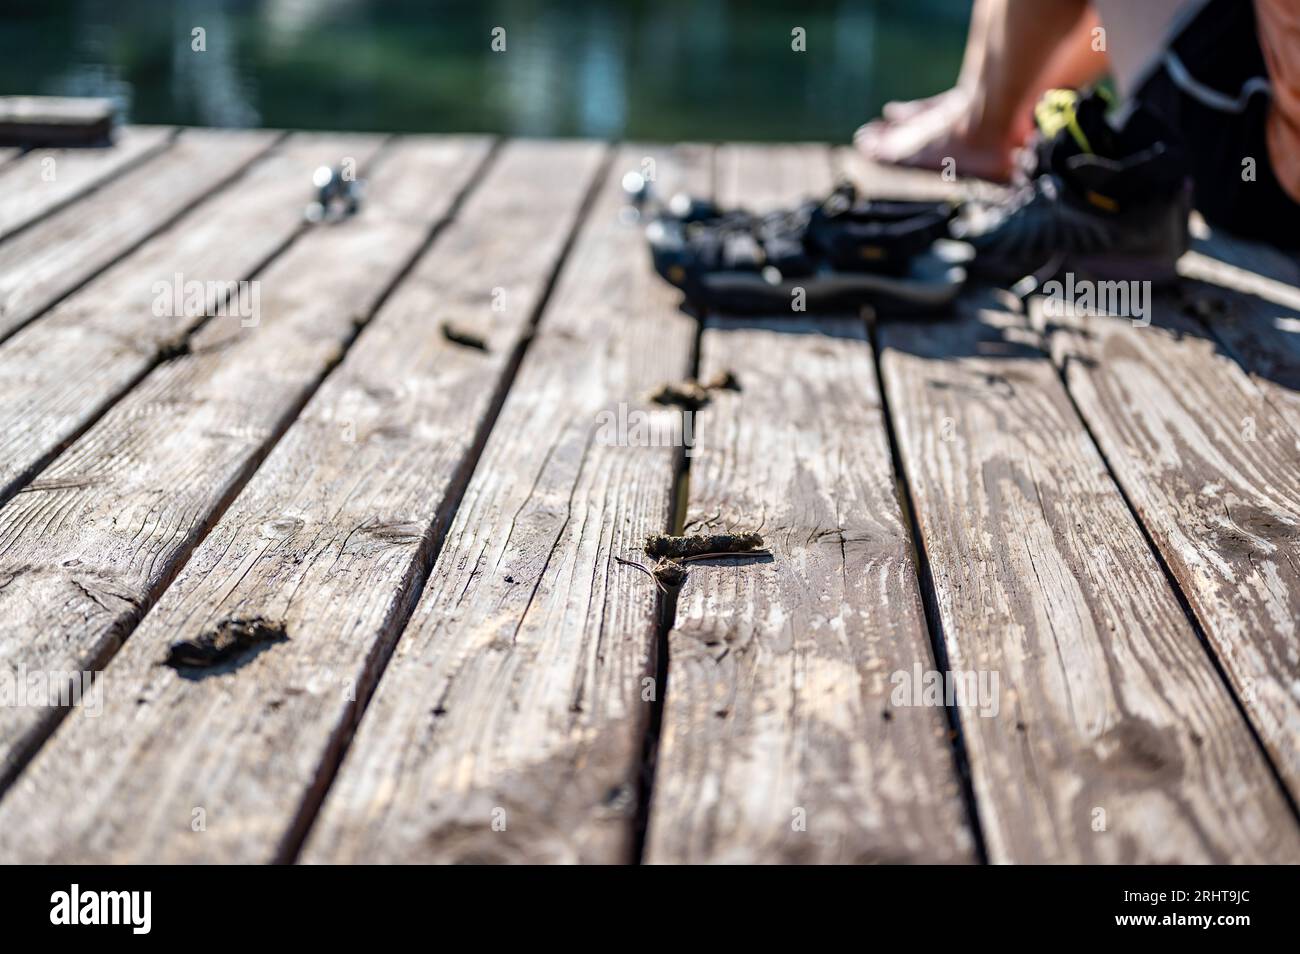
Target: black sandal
<point>840,254</point>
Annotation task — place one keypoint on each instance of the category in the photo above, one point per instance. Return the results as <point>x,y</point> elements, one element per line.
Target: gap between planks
<point>1199,421</point>
<point>1042,575</point>
<point>874,180</point>
<point>779,743</point>
<point>516,691</point>
<point>174,453</point>
<point>1241,778</point>
<point>929,601</point>
<point>44,181</point>
<point>390,391</point>
<point>44,263</point>
<point>64,372</point>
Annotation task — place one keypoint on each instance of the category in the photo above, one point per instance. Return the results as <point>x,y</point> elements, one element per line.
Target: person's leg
<point>980,124</point>
<point>1078,61</point>
<point>1067,67</point>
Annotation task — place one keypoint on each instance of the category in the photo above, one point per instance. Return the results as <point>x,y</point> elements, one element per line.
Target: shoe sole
<point>1125,268</point>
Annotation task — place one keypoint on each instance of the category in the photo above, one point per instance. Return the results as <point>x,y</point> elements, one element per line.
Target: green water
<point>660,70</point>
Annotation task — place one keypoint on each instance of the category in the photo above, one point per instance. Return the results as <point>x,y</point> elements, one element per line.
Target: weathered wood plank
<point>1115,740</point>
<point>327,540</point>
<point>43,263</point>
<point>58,374</point>
<point>779,742</point>
<point>1253,297</point>
<point>1210,465</point>
<point>48,179</point>
<point>55,120</point>
<point>895,182</point>
<point>763,178</point>
<point>517,694</point>
<point>88,547</point>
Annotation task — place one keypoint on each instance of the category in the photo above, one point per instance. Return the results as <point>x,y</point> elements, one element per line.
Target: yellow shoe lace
<point>1057,110</point>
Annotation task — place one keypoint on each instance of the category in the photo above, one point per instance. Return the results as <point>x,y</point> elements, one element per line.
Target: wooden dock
<point>394,472</point>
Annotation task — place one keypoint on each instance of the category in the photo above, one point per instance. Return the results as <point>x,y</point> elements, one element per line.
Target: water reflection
<point>90,70</point>
<point>210,78</point>
<point>287,22</point>
<point>651,69</point>
<point>602,98</point>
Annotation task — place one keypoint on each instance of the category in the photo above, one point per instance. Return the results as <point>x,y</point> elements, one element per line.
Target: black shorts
<point>1212,86</point>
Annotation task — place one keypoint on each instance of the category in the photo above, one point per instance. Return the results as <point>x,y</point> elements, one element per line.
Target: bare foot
<point>951,103</point>
<point>939,138</point>
<point>900,111</point>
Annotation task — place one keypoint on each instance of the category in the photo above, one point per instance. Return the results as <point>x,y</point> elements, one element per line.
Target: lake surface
<point>629,69</point>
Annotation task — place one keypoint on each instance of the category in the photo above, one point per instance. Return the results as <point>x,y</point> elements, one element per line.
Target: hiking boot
<point>1108,200</point>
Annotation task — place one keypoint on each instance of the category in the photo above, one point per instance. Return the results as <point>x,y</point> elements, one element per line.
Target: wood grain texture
<point>1253,294</point>
<point>48,179</point>
<point>88,547</point>
<point>1111,713</point>
<point>895,182</point>
<point>58,374</point>
<point>764,178</point>
<point>1209,460</point>
<point>43,263</point>
<point>327,540</point>
<point>779,742</point>
<point>518,690</point>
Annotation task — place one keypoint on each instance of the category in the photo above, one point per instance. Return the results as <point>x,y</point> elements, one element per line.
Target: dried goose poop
<point>672,553</point>
<point>230,638</point>
<point>663,545</point>
<point>691,394</point>
<point>669,574</point>
<point>458,335</point>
